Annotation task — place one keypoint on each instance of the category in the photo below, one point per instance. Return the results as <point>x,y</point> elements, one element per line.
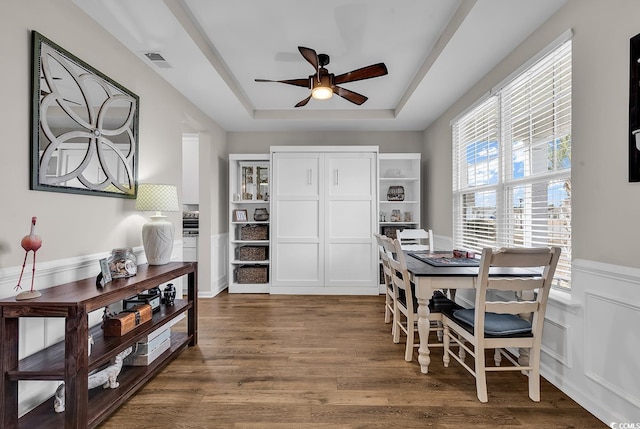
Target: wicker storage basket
<point>254,232</point>
<point>252,253</point>
<point>390,231</point>
<point>252,274</point>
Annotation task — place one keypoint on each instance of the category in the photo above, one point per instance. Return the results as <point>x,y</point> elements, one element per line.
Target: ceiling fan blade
<point>297,82</point>
<point>309,55</point>
<point>303,102</point>
<point>368,72</point>
<point>351,96</point>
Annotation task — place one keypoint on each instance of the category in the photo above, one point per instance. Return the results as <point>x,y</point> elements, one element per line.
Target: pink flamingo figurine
<point>28,243</point>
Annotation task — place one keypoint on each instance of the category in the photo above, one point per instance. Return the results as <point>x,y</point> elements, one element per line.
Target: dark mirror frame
<point>84,127</point>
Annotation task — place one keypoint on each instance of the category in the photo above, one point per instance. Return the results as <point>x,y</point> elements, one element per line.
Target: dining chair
<point>406,316</point>
<point>506,316</point>
<point>385,245</point>
<point>415,239</point>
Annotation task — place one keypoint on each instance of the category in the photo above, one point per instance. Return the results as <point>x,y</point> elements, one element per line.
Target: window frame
<point>525,225</point>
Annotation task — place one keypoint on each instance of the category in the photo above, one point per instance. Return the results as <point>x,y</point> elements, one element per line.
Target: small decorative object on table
<point>260,214</point>
<point>107,378</point>
<point>31,242</point>
<point>461,253</point>
<point>127,320</point>
<point>395,193</point>
<point>151,297</point>
<point>123,263</point>
<point>169,294</point>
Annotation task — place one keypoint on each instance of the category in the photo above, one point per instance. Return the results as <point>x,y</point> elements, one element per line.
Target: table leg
<point>424,294</point>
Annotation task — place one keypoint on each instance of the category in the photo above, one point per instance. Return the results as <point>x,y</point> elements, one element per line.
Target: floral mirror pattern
<point>84,127</point>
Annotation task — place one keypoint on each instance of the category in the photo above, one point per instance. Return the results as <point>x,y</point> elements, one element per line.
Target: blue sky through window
<point>482,168</point>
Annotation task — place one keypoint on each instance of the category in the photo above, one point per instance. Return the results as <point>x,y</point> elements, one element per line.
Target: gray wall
<point>401,141</point>
<point>74,225</point>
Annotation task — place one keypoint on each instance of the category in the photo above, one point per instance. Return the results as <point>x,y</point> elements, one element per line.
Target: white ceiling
<point>435,50</point>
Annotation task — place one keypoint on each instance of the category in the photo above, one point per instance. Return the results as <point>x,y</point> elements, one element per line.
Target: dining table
<point>428,278</point>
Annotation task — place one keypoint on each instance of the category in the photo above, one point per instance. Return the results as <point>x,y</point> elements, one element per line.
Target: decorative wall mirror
<point>84,127</point>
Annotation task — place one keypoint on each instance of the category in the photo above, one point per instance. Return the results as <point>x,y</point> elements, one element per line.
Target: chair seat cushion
<point>496,324</point>
<point>439,303</point>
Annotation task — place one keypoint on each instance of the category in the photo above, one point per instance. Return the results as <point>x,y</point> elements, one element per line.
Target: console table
<point>68,360</point>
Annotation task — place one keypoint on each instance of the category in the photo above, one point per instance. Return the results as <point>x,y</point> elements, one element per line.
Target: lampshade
<point>157,197</point>
<point>157,234</point>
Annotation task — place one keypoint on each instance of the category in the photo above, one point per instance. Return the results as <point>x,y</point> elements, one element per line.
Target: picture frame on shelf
<point>240,215</point>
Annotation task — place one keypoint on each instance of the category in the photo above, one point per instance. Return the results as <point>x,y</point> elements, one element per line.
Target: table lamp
<point>157,234</point>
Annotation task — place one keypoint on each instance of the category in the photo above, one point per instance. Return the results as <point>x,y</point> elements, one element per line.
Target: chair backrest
<point>415,239</point>
<point>400,276</point>
<point>385,246</point>
<point>543,259</point>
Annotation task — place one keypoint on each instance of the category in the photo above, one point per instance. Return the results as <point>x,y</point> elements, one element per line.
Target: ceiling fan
<point>324,84</point>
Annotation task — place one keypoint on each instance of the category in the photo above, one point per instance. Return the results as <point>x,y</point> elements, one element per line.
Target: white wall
<point>78,229</point>
<point>591,341</point>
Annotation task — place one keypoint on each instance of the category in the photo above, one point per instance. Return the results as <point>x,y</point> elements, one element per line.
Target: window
<point>512,164</point>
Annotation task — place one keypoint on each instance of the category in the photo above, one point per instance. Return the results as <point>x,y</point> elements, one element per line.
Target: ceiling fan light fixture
<point>322,93</point>
<point>322,89</point>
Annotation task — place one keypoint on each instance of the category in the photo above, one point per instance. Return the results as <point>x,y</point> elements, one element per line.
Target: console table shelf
<point>68,360</point>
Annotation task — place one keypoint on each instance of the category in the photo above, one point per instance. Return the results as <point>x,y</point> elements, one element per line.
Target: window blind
<point>512,164</point>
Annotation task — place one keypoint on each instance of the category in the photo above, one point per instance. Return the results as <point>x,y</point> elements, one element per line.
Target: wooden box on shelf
<point>127,320</point>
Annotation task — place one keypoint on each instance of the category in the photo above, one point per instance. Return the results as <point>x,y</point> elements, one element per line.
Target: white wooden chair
<point>406,316</point>
<point>415,239</point>
<point>500,324</point>
<point>385,245</point>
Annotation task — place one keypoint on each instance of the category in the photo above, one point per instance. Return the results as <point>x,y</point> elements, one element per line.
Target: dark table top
<point>422,269</point>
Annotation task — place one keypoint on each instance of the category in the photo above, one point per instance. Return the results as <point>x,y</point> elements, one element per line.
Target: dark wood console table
<point>68,360</point>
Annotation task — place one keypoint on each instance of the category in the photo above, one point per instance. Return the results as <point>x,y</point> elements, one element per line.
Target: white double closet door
<point>323,220</point>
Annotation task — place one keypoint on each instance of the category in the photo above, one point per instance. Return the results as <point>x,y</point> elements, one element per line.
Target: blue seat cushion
<point>438,304</point>
<point>496,324</point>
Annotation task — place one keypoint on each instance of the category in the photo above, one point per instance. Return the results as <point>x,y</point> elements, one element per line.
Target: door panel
<point>300,266</point>
<point>350,265</point>
<point>350,219</point>
<point>296,176</point>
<point>298,248</point>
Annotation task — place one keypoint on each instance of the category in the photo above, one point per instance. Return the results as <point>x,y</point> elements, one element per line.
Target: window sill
<point>562,300</point>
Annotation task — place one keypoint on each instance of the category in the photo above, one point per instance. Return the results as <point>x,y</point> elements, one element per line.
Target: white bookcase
<point>249,180</point>
<point>398,170</point>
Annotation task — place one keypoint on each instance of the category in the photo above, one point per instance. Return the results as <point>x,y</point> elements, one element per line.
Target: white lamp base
<point>157,239</point>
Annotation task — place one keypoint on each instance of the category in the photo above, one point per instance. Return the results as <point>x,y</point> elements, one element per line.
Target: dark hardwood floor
<point>322,362</point>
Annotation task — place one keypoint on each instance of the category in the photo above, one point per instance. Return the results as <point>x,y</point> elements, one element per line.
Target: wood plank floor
<point>319,362</point>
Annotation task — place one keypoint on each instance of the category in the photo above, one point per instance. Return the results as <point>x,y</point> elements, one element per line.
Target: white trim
<point>324,290</point>
<point>373,149</point>
<point>564,37</point>
<point>567,35</point>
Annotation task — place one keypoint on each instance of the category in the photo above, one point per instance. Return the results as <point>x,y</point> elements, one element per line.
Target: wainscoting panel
<point>555,342</point>
<point>610,360</point>
<point>219,264</point>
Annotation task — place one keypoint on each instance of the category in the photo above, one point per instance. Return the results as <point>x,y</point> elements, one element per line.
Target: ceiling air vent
<point>157,59</point>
